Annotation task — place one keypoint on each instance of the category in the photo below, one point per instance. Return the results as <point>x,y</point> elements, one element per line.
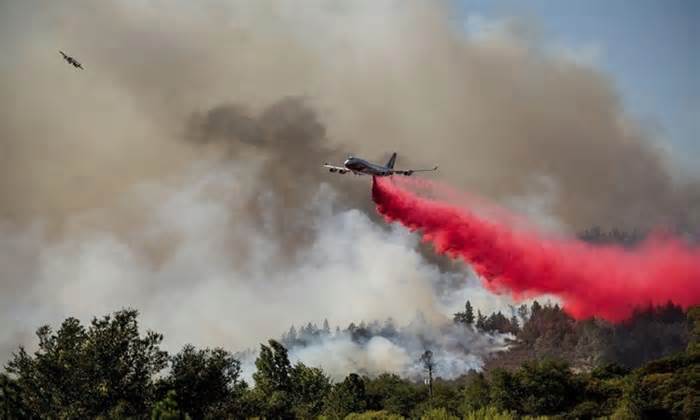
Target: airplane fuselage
<point>361,166</point>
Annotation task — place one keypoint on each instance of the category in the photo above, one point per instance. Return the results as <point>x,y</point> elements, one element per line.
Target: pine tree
<point>514,324</point>
<point>292,335</point>
<point>536,308</point>
<point>468,313</point>
<point>326,327</point>
<point>480,320</point>
<point>524,312</point>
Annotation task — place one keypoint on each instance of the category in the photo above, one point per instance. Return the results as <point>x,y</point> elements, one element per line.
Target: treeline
<point>362,332</point>
<point>110,370</point>
<point>547,331</point>
<point>496,322</point>
<point>541,331</point>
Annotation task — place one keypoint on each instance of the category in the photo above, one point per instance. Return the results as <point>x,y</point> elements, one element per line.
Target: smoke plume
<point>179,173</point>
<point>226,281</point>
<point>375,348</point>
<point>499,113</point>
<point>604,281</point>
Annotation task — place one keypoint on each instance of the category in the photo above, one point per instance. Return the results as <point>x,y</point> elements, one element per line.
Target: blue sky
<point>651,49</point>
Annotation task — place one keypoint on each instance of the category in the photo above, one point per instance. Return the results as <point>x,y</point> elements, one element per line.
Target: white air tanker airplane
<point>362,167</point>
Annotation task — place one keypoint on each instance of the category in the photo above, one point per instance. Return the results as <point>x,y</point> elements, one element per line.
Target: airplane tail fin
<point>392,161</point>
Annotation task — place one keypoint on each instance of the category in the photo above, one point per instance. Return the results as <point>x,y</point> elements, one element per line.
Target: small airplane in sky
<point>362,167</point>
<point>71,60</point>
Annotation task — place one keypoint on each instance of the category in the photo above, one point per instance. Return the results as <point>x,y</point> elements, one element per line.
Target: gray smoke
<point>179,173</point>
<point>385,347</point>
<point>220,282</point>
<point>499,115</point>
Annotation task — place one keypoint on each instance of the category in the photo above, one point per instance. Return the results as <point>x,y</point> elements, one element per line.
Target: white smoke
<point>200,273</point>
<point>383,348</point>
<point>456,350</point>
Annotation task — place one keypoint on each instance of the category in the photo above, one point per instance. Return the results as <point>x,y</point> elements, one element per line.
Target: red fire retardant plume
<point>607,282</point>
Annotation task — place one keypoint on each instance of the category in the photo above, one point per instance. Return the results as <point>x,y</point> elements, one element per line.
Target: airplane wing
<point>333,168</point>
<point>409,172</point>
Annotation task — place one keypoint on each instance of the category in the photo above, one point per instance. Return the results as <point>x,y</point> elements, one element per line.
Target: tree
<point>523,312</point>
<point>310,386</point>
<point>291,337</point>
<point>167,409</point>
<point>694,328</point>
<point>428,364</point>
<point>480,320</point>
<point>438,414</point>
<point>536,388</point>
<point>374,415</point>
<point>476,394</point>
<point>284,391</point>
<point>468,313</point>
<point>326,327</point>
<point>11,406</point>
<point>98,371</point>
<point>514,324</point>
<point>497,322</point>
<point>272,381</point>
<point>466,317</point>
<point>491,413</point>
<point>349,396</point>
<point>394,394</point>
<point>205,380</point>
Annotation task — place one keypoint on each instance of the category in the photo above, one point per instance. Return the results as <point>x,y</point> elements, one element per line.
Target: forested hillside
<point>565,369</point>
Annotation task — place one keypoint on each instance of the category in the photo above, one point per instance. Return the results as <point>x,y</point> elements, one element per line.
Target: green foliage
<point>273,383</point>
<point>546,387</point>
<point>446,395</point>
<point>310,387</point>
<point>11,405</point>
<point>167,409</point>
<point>284,391</point>
<point>87,373</point>
<point>374,415</point>
<point>205,381</point>
<point>694,328</point>
<point>468,313</point>
<point>346,397</point>
<point>108,370</point>
<point>490,413</point>
<point>480,320</point>
<point>667,387</point>
<point>438,414</point>
<point>477,394</point>
<point>548,331</point>
<point>394,394</point>
<point>650,334</point>
<point>608,371</point>
<point>466,317</point>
